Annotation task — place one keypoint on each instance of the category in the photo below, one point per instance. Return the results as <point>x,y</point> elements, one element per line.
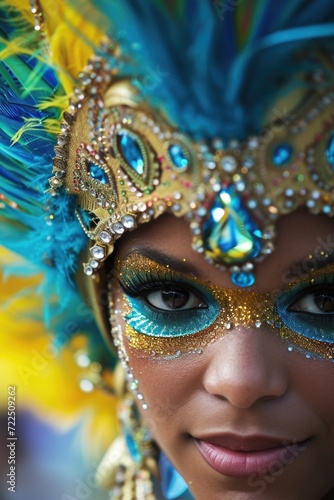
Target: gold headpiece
<point>127,165</point>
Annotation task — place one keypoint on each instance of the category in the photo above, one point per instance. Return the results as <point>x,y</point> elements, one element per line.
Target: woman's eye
<point>174,300</point>
<point>315,303</point>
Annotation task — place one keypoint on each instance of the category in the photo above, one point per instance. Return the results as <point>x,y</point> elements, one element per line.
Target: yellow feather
<point>50,125</point>
<point>73,39</point>
<point>47,383</point>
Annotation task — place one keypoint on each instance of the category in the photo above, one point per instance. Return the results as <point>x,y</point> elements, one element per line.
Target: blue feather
<point>193,66</point>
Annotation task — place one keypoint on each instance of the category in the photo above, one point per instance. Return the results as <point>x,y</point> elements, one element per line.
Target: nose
<point>246,366</point>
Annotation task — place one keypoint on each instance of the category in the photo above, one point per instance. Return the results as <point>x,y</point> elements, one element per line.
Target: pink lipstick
<point>241,456</point>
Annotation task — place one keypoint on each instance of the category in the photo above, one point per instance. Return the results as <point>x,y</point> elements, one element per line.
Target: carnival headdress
<point>127,166</point>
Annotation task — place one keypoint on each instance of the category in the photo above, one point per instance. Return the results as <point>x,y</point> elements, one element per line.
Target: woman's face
<point>240,411</point>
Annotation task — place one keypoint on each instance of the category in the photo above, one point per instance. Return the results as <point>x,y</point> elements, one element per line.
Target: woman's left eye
<point>174,300</point>
<point>315,302</point>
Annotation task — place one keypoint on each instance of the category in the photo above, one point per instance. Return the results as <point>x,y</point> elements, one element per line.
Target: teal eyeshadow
<point>166,324</point>
<point>312,326</point>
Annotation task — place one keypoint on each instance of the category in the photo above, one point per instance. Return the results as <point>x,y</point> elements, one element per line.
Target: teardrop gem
<point>131,152</point>
<point>281,154</point>
<point>230,235</point>
<point>97,173</point>
<point>243,279</point>
<point>178,156</point>
<point>330,151</point>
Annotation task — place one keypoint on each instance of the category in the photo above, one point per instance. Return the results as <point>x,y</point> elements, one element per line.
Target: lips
<point>242,456</point>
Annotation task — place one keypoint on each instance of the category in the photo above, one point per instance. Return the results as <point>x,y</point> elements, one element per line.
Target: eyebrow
<point>182,266</point>
<point>320,263</point>
<point>186,267</point>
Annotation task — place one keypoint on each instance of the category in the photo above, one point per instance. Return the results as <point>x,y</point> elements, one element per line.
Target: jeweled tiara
<point>126,165</point>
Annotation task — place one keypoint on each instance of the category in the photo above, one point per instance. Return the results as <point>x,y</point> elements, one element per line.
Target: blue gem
<point>243,279</point>
<point>97,173</point>
<point>178,156</point>
<point>330,151</point>
<point>131,152</point>
<point>281,154</point>
<point>132,446</point>
<point>172,484</point>
<point>230,234</point>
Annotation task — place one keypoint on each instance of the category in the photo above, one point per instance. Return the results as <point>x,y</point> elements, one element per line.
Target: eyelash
<point>139,285</point>
<point>324,285</point>
<point>149,320</point>
<point>314,325</point>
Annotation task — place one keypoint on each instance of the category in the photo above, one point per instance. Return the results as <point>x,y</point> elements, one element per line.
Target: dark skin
<point>246,382</point>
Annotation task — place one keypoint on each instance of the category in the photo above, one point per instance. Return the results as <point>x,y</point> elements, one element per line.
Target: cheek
<point>167,386</point>
<point>174,394</point>
<point>314,382</point>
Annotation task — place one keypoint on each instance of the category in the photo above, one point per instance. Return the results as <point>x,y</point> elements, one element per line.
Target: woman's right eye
<point>166,306</point>
<point>174,300</point>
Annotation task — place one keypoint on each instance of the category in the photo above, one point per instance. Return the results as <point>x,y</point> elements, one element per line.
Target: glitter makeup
<point>168,312</point>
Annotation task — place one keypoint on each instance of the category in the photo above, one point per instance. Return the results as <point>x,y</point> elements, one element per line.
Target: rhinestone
<point>281,154</point>
<point>142,207</point>
<point>54,182</point>
<point>249,266</point>
<point>88,270</point>
<point>178,156</point>
<point>268,249</point>
<point>240,186</point>
<point>253,143</point>
<point>105,237</point>
<point>228,164</point>
<point>289,192</point>
<point>93,264</point>
<point>252,204</point>
<point>62,140</point>
<point>78,93</point>
<point>217,143</point>
<point>248,161</point>
<point>210,165</point>
<point>60,174</point>
<point>118,228</point>
<point>128,221</point>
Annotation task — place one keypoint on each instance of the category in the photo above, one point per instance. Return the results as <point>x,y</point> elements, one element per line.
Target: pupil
<point>325,303</point>
<point>175,299</point>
